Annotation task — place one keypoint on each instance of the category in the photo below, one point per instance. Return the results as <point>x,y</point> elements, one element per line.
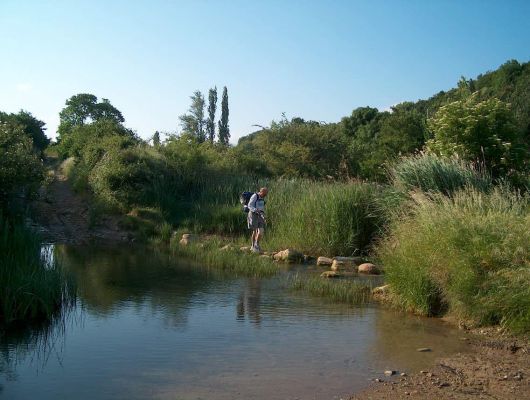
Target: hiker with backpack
<point>255,206</point>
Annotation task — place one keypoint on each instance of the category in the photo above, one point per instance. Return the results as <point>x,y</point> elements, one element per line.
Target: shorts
<point>255,221</point>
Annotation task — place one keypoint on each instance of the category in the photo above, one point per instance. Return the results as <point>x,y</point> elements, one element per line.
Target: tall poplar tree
<point>224,130</point>
<point>212,106</point>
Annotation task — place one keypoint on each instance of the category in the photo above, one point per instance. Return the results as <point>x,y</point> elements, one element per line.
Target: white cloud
<point>24,87</point>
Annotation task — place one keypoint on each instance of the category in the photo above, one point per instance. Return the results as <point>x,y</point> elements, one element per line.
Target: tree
<point>156,139</point>
<point>31,126</point>
<point>212,106</point>
<point>193,123</point>
<point>84,108</point>
<point>224,130</point>
<point>478,131</point>
<point>20,167</point>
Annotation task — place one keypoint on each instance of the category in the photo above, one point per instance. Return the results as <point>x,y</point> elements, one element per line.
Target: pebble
<point>390,372</point>
<point>403,374</point>
<point>423,349</point>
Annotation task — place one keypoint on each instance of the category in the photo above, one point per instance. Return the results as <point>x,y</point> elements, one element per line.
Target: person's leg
<point>259,235</point>
<point>253,238</point>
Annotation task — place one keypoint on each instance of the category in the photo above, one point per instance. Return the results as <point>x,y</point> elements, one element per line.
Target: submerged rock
<point>325,261</point>
<point>188,239</point>
<point>368,268</point>
<point>289,255</point>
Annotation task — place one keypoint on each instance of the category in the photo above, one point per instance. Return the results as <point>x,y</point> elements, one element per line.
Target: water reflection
<point>248,304</point>
<point>151,326</point>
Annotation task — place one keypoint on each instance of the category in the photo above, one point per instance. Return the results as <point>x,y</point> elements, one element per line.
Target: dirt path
<point>497,368</point>
<point>63,216</point>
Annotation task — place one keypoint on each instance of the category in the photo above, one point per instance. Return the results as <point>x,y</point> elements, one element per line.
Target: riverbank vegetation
<point>427,176</point>
<point>32,286</point>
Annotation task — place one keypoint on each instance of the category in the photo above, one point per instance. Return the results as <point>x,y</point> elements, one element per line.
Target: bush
<point>21,170</point>
<point>468,255</point>
<point>431,173</point>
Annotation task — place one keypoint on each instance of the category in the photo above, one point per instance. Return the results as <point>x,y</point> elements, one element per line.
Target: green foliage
<point>294,150</point>
<point>31,126</point>
<point>21,170</point>
<point>468,255</point>
<point>212,106</point>
<point>224,129</point>
<point>193,123</point>
<point>324,218</point>
<point>338,290</point>
<point>234,262</point>
<point>431,173</point>
<point>84,108</point>
<point>478,131</point>
<point>31,287</point>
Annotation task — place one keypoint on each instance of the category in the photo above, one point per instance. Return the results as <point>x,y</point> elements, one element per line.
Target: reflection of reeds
<point>31,285</point>
<point>338,290</point>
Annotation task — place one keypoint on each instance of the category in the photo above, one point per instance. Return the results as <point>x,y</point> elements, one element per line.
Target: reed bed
<point>431,173</point>
<point>468,256</point>
<point>31,286</point>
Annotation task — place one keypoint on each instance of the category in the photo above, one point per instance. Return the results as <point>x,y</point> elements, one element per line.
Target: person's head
<point>263,192</point>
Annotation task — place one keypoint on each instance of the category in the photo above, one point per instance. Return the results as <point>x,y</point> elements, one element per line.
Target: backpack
<point>244,198</point>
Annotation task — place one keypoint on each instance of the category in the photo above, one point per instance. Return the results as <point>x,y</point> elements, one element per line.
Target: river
<point>148,326</point>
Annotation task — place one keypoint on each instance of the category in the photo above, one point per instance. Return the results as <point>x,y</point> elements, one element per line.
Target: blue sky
<point>313,59</point>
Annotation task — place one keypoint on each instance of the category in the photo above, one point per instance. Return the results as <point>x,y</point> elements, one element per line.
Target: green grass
<point>235,262</point>
<point>430,173</point>
<point>325,218</point>
<point>30,287</point>
<point>337,290</point>
<point>468,256</point>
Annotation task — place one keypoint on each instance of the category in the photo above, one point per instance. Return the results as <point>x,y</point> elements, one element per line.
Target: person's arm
<point>252,203</point>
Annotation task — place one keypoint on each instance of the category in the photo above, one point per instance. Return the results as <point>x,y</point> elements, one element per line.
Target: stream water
<point>147,326</point>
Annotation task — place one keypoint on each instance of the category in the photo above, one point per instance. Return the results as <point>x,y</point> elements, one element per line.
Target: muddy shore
<point>496,367</point>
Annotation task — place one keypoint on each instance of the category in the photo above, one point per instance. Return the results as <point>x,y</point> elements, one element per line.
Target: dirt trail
<point>63,216</point>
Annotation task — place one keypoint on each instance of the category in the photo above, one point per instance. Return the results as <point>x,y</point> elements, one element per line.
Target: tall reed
<point>468,255</point>
<point>31,285</point>
<point>431,173</point>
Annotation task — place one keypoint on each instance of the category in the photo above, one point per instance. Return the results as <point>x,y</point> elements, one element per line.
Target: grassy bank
<point>341,290</point>
<point>31,286</point>
<point>232,261</point>
<point>466,256</point>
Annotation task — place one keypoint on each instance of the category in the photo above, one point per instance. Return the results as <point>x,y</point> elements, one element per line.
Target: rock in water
<point>368,268</point>
<point>390,372</point>
<point>188,239</point>
<point>289,255</point>
<point>330,274</point>
<point>343,263</point>
<point>324,261</point>
<point>423,349</point>
<point>381,292</point>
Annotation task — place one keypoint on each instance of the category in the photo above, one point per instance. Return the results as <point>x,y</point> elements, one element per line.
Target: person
<point>256,218</point>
